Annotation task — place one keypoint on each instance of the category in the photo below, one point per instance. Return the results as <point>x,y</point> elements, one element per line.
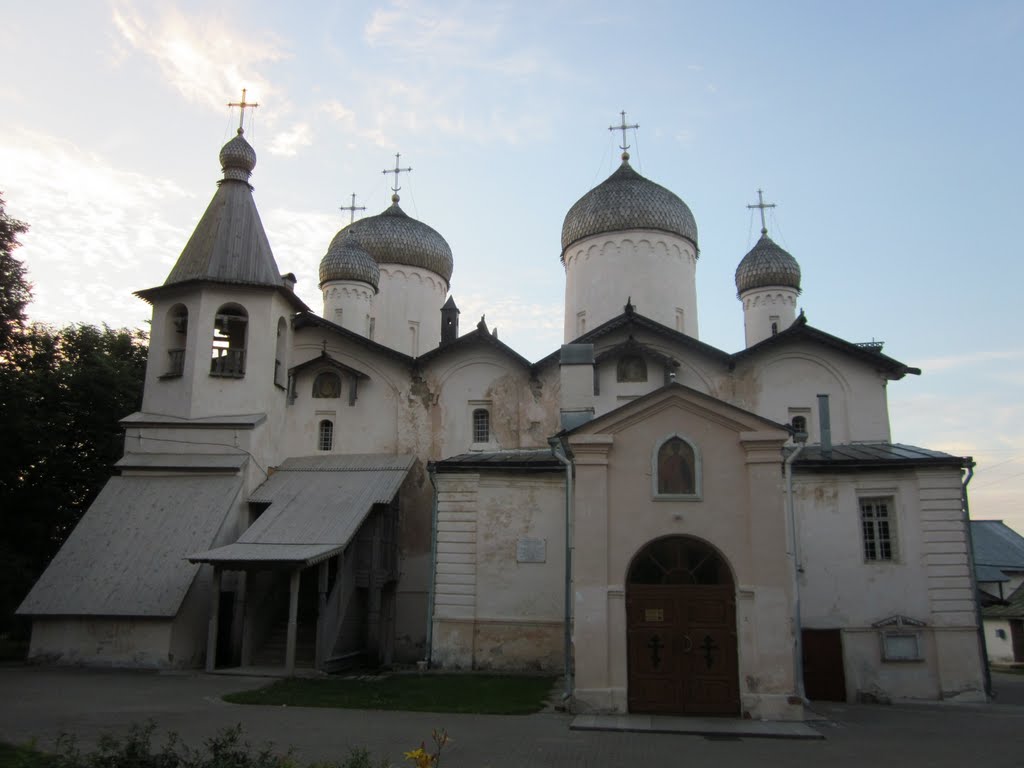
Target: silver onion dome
<point>237,159</point>
<point>345,260</point>
<point>624,201</point>
<point>394,237</point>
<point>767,264</point>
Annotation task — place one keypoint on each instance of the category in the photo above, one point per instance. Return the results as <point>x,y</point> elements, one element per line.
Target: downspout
<point>432,473</point>
<point>798,643</point>
<point>559,452</point>
<point>982,644</point>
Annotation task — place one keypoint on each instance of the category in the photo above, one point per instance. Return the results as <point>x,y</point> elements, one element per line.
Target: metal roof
<point>142,419</point>
<point>865,455</point>
<point>539,459</point>
<point>989,573</point>
<point>126,557</point>
<point>767,264</point>
<point>1014,609</point>
<point>995,543</point>
<point>209,462</point>
<point>625,201</point>
<point>317,504</point>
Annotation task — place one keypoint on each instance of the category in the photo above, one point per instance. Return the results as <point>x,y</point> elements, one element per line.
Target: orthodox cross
<point>242,105</point>
<point>708,646</point>
<point>623,127</point>
<point>396,170</point>
<point>762,205</point>
<point>655,645</point>
<point>353,207</point>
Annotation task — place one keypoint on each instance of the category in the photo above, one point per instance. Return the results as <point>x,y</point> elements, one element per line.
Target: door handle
<point>687,644</point>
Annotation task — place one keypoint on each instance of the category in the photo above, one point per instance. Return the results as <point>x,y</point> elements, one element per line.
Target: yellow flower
<point>420,758</point>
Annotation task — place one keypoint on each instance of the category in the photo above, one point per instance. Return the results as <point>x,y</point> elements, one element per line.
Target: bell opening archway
<point>681,630</point>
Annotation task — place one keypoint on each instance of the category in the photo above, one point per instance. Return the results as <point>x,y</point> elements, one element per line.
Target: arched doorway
<point>681,630</point>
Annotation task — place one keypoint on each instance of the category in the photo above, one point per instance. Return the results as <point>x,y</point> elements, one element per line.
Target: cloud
<point>97,232</point>
<point>419,28</point>
<point>337,111</point>
<point>203,58</point>
<point>958,361</point>
<point>287,143</point>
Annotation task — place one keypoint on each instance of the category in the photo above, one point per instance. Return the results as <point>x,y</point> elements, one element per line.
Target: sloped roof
<point>1013,609</point>
<point>995,543</point>
<point>126,557</point>
<point>317,504</point>
<point>881,454</point>
<point>538,459</point>
<point>479,335</point>
<point>308,319</point>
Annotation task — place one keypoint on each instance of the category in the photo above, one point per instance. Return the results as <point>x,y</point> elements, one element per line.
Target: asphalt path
<point>40,703</point>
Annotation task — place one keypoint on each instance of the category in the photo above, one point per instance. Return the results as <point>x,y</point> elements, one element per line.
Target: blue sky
<point>888,134</point>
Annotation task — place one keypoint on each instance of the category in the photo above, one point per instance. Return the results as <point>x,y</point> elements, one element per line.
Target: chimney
<point>577,378</point>
<point>289,281</point>
<point>449,321</point>
<point>825,426</point>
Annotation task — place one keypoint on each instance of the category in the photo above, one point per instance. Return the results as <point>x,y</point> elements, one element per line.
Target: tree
<point>62,394</point>
<point>15,290</point>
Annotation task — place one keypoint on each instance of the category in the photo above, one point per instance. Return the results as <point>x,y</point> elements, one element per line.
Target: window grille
<point>481,426</point>
<point>876,529</point>
<point>326,439</point>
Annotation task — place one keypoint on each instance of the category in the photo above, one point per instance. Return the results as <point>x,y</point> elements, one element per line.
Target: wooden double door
<point>681,645</point>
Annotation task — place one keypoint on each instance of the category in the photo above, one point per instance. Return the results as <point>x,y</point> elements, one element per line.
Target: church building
<point>673,527</point>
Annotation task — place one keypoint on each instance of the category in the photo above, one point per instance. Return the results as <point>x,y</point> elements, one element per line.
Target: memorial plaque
<point>531,550</point>
<point>654,614</point>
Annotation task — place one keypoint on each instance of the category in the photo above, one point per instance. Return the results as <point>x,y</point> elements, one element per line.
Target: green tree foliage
<point>15,291</point>
<point>62,394</point>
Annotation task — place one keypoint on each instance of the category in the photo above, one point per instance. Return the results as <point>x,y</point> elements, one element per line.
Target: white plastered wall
<point>407,310</point>
<point>349,303</point>
<point>761,305</point>
<point>655,270</point>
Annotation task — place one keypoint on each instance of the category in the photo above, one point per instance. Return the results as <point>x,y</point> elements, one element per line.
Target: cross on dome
<point>242,105</point>
<point>623,127</point>
<point>761,204</point>
<point>353,208</point>
<point>396,170</point>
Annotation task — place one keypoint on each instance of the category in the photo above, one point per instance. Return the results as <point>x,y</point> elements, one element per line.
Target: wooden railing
<point>228,362</point>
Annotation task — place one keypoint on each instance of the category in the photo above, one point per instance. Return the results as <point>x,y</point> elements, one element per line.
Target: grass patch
<point>468,693</point>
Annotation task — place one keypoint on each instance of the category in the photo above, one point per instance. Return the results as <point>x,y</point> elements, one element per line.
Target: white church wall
<point>782,383</point>
<point>500,561</point>
<point>765,307</point>
<point>999,641</point>
<point>656,270</point>
<point>349,303</point>
<point>407,311</point>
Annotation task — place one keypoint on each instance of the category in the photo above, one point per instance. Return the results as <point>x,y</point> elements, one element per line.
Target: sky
<point>887,134</point>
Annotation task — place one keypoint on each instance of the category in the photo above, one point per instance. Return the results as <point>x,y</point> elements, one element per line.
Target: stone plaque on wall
<point>531,550</point>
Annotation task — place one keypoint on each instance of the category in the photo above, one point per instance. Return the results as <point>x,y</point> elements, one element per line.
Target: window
<point>481,425</point>
<point>876,529</point>
<point>774,320</point>
<point>177,337</point>
<point>680,320</point>
<point>327,384</point>
<point>279,352</point>
<point>676,469</point>
<point>799,423</point>
<point>581,323</point>
<point>325,440</point>
<point>370,327</point>
<point>631,368</point>
<point>229,332</point>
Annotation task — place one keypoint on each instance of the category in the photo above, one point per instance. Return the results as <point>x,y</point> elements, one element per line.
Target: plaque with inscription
<point>654,614</point>
<point>531,550</point>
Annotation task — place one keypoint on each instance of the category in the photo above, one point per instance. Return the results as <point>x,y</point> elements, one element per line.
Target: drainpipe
<point>982,644</point>
<point>558,449</point>
<point>798,644</point>
<point>432,473</point>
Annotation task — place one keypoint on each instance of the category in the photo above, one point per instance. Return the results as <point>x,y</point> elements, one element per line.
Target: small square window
<point>877,529</point>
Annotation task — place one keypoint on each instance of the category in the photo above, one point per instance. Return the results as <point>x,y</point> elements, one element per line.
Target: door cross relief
<point>655,645</point>
<point>709,645</point>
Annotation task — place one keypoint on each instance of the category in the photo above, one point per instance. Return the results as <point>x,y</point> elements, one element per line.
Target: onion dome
<point>345,260</point>
<point>766,265</point>
<point>394,237</point>
<point>237,159</point>
<point>624,201</point>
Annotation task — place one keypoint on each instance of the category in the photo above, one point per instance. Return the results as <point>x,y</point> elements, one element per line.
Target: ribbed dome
<point>394,237</point>
<point>237,159</point>
<point>345,260</point>
<point>624,201</point>
<point>767,264</point>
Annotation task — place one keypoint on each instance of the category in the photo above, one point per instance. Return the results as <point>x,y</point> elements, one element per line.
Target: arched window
<point>327,384</point>
<point>325,439</point>
<point>481,425</point>
<point>230,327</point>
<point>677,471</point>
<point>799,424</point>
<point>177,338</point>
<point>631,368</point>
<point>679,560</point>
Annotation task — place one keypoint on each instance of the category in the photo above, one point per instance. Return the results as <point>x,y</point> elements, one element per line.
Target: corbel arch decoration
<point>676,469</point>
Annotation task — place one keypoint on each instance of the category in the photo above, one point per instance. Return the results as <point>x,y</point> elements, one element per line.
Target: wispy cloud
<point>287,143</point>
<point>90,220</point>
<point>203,57</point>
<point>420,28</point>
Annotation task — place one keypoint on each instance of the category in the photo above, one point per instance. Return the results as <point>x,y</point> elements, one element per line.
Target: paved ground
<point>43,702</point>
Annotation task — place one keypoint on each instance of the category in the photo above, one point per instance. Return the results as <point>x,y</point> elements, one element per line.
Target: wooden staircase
<point>272,652</point>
